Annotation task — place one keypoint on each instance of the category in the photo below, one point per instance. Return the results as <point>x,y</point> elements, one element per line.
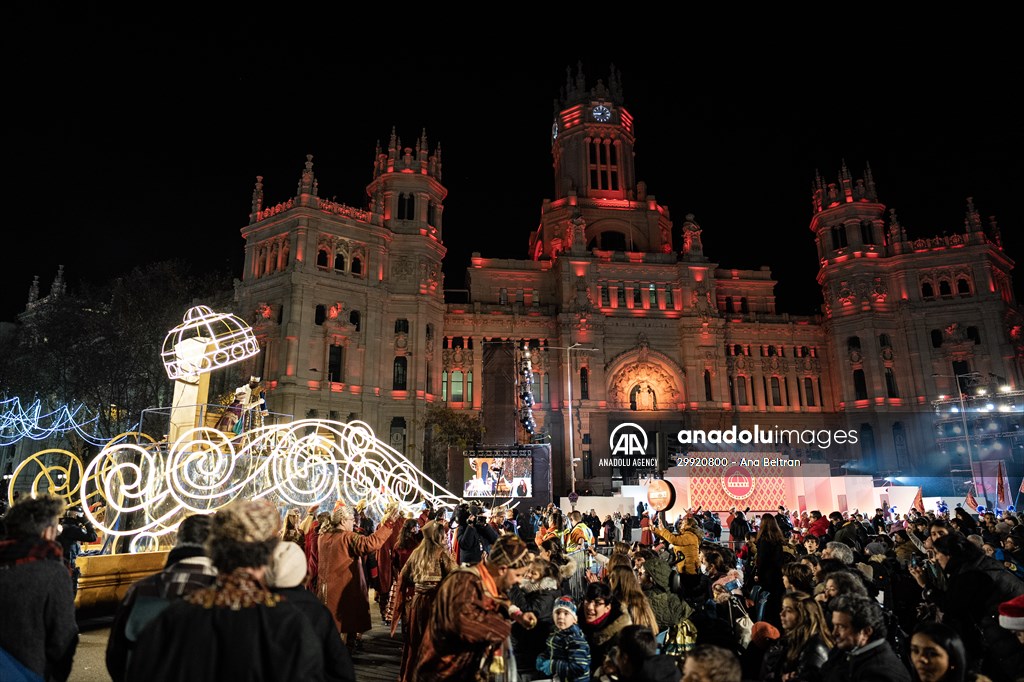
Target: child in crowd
<point>567,657</point>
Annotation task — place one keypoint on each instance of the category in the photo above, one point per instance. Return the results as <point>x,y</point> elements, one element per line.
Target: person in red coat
<point>819,525</point>
<point>646,536</point>
<point>341,583</point>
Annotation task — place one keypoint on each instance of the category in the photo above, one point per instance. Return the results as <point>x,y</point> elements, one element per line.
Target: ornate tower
<point>347,303</point>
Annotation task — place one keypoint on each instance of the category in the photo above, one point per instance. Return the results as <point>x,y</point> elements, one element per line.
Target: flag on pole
<point>971,501</point>
<point>1021,486</point>
<point>918,503</point>
<point>1001,485</point>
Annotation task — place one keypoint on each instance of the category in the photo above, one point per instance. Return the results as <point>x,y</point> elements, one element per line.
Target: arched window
<point>336,363</point>
<point>741,390</point>
<point>839,237</point>
<point>354,319</point>
<point>884,341</point>
<point>339,262</point>
<point>809,392</point>
<point>866,233</point>
<point>399,379</point>
<point>927,291</point>
<point>401,326</point>
<point>860,385</point>
<point>584,383</point>
<point>890,383</point>
<point>322,258</point>
<point>899,439</point>
<point>457,387</point>
<point>357,266</point>
<point>320,315</point>
<point>707,385</point>
<point>944,288</point>
<point>963,287</point>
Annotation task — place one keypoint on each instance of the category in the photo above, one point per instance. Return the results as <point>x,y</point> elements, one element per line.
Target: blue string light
<point>18,422</point>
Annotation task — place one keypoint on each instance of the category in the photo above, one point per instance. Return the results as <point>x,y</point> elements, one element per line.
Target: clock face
<point>554,130</point>
<point>602,114</point>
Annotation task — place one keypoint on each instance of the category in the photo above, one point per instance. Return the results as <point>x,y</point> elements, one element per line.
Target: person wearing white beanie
<point>286,574</point>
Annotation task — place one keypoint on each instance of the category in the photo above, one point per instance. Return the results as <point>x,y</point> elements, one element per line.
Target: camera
<point>914,561</point>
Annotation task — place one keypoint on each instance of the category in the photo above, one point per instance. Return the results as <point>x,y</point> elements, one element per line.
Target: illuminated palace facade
<point>349,306</point>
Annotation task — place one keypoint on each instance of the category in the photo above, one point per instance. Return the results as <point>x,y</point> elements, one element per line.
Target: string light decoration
<point>525,392</point>
<point>18,422</point>
<point>147,488</point>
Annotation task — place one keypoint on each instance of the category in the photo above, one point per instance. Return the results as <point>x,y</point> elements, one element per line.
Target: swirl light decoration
<point>147,488</point>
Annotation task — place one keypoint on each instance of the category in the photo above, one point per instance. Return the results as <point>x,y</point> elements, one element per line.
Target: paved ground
<point>378,663</point>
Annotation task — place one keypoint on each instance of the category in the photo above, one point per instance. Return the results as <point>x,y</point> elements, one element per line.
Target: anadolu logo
<point>628,439</point>
<point>738,482</point>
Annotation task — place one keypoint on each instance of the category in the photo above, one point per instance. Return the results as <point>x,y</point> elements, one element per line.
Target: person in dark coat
<point>472,533</point>
<point>739,530</point>
<point>186,570</point>
<point>805,644</point>
<point>975,586</point>
<point>603,619</point>
<point>38,626</point>
<point>861,651</point>
<point>536,594</point>
<point>285,577</point>
<point>768,563</point>
<point>237,629</point>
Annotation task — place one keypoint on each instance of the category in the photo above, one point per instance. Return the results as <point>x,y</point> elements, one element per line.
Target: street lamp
<point>568,380</point>
<point>963,419</point>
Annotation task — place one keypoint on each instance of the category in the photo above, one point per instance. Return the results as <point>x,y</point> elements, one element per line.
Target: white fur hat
<point>287,565</point>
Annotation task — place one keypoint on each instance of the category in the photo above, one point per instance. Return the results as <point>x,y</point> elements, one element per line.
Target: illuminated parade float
<point>139,487</point>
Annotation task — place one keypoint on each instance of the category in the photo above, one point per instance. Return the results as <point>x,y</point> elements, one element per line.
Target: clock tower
<point>598,202</point>
<point>592,140</point>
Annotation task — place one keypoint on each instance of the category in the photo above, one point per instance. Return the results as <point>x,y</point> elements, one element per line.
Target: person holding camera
<point>74,530</point>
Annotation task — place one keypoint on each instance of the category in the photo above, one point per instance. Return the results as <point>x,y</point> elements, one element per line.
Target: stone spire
<point>308,183</point>
<point>257,199</point>
<point>897,233</point>
<point>972,219</point>
<point>994,231</point>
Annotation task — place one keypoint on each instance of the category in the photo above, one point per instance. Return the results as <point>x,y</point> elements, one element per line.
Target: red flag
<point>918,503</point>
<point>1001,485</point>
<point>970,501</point>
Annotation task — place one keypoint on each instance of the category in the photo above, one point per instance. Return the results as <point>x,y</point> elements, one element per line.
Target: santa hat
<point>1011,614</point>
<point>565,603</point>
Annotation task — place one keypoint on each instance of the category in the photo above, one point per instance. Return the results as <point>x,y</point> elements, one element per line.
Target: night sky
<point>134,144</point>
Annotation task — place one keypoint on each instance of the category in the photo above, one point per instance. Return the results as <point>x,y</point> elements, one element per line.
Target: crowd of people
<point>254,591</point>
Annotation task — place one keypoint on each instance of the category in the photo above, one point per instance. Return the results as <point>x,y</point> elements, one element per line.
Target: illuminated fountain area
<point>139,489</point>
